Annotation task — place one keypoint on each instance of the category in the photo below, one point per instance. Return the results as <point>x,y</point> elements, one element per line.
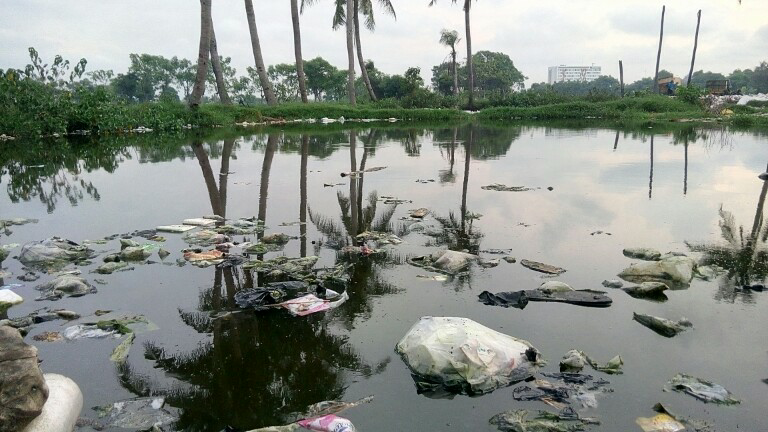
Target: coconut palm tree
<point>217,72</point>
<point>350,52</point>
<point>470,66</point>
<point>450,38</point>
<point>266,86</point>
<point>203,53</point>
<point>744,256</point>
<point>366,8</point>
<point>297,49</point>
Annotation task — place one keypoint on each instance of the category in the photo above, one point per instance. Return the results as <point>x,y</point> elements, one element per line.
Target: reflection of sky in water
<point>595,188</point>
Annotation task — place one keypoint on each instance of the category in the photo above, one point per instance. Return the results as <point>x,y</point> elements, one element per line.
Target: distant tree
<point>646,83</point>
<point>470,66</point>
<point>741,80</point>
<point>442,78</point>
<point>495,72</point>
<point>286,81</point>
<point>130,87</point>
<point>606,85</point>
<point>101,77</point>
<point>700,78</point>
<point>450,38</point>
<point>55,73</point>
<point>183,75</point>
<point>760,78</point>
<point>324,80</point>
<point>227,74</point>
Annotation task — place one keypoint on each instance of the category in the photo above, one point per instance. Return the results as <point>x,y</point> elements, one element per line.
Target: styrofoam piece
<point>9,298</point>
<point>199,222</point>
<point>61,410</point>
<point>175,228</point>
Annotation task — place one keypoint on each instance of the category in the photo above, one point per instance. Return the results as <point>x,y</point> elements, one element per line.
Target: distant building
<point>573,73</point>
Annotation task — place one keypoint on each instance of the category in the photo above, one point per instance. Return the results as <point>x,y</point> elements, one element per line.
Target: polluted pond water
<point>270,278</point>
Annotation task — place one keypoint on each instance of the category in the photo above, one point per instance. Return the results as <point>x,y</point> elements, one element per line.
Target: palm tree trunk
<point>465,185</point>
<point>353,180</point>
<point>210,181</point>
<point>303,196</point>
<point>203,54</point>
<point>351,53</point>
<point>217,71</point>
<point>757,224</point>
<point>266,167</point>
<point>226,154</point>
<point>360,59</point>
<point>266,86</point>
<point>656,88</point>
<point>454,71</point>
<point>470,63</point>
<point>297,51</point>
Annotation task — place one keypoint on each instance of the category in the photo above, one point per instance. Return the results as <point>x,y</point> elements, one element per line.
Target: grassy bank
<point>30,110</point>
<point>636,109</point>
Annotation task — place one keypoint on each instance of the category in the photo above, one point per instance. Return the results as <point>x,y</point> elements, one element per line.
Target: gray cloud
<point>533,35</point>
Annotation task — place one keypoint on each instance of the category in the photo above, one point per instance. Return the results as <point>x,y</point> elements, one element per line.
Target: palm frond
<point>326,225</point>
<point>340,14</point>
<point>388,7</point>
<point>728,227</point>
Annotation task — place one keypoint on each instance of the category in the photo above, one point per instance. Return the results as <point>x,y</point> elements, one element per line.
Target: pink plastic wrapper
<point>329,423</point>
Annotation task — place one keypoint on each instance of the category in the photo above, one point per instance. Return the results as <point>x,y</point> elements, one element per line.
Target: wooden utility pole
<point>621,77</point>
<point>656,88</point>
<point>695,45</point>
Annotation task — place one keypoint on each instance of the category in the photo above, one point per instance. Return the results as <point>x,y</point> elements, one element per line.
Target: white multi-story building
<point>573,73</point>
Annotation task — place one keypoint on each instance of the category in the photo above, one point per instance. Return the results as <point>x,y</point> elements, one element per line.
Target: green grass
<point>640,108</point>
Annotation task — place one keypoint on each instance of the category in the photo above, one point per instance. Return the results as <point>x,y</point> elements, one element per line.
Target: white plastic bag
<point>466,356</point>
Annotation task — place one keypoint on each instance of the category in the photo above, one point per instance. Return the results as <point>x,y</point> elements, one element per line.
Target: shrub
<point>690,94</point>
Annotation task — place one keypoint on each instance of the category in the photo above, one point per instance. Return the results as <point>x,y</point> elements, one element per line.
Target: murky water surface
<point>594,192</point>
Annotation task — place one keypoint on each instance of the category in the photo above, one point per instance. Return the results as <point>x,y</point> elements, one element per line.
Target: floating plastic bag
<point>54,253</point>
<point>464,356</point>
<point>329,423</point>
<point>310,304</point>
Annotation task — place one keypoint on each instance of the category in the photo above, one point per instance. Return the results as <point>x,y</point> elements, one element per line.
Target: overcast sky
<point>534,34</point>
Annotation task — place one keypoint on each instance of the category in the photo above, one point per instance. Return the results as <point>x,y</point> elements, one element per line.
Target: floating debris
<point>541,267</point>
<point>358,173</point>
<point>137,414</point>
<point>48,337</point>
<point>53,254</point>
<point>517,421</point>
<point>69,285</point>
<point>467,357</point>
<point>703,390</point>
<point>175,228</point>
<point>445,261</point>
<point>646,254</point>
<point>120,353</point>
<point>504,188</point>
<point>662,326</point>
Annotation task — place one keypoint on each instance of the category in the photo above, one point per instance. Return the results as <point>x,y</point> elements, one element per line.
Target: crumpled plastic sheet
<point>463,356</point>
<point>703,390</point>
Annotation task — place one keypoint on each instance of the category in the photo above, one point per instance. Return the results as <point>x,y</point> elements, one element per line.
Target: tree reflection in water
<point>366,280</point>
<point>743,255</point>
<point>258,369</point>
